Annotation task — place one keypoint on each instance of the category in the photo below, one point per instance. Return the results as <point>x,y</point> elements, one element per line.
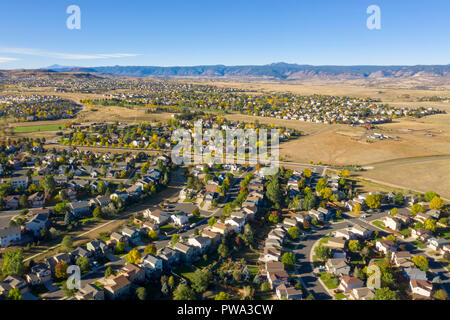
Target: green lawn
<point>48,127</point>
<point>330,281</point>
<point>406,232</point>
<point>185,271</point>
<point>379,224</point>
<point>340,296</point>
<point>167,228</point>
<point>420,244</point>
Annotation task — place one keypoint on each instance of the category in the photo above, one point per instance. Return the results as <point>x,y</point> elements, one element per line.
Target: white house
<point>421,287</point>
<point>9,235</point>
<point>179,219</point>
<point>160,217</point>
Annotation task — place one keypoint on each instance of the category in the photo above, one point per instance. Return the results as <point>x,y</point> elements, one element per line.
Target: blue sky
<point>198,32</point>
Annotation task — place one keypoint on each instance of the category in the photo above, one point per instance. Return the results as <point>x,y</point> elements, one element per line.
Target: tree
<point>399,199</point>
<point>288,260</point>
<point>212,221</point>
<point>83,263</point>
<point>200,280</point>
<point>322,252</point>
<point>49,185</point>
<point>430,195</point>
<point>13,262</point>
<point>153,235</point>
<point>321,184</point>
<point>440,295</point>
<point>394,211</point>
<point>416,208</point>
<point>373,201</point>
<point>265,286</point>
<point>61,270</point>
<point>175,238</point>
<point>67,243</point>
<point>97,213</point>
<point>223,250</point>
<point>23,201</point>
<point>385,294</point>
<point>150,249</point>
<point>222,296</point>
<point>310,201</point>
<point>248,293</point>
<point>134,256</point>
<point>436,203</point>
<point>196,212</point>
<point>421,262</point>
<point>120,247</point>
<point>274,217</point>
<point>430,224</point>
<point>354,246</point>
<point>293,233</point>
<point>108,272</point>
<point>357,208</point>
<point>307,173</point>
<point>14,294</point>
<point>183,292</point>
<point>141,293</point>
<point>273,191</point>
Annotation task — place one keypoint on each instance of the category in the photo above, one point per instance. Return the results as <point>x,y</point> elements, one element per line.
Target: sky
<point>34,33</point>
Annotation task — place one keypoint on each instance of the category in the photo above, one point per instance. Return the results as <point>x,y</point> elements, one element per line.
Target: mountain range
<point>274,71</point>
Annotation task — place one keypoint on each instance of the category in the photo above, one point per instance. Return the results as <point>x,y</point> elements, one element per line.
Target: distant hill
<point>275,71</point>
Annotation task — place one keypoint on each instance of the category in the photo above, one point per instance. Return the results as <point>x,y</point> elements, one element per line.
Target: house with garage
<point>337,267</point>
<point>349,283</point>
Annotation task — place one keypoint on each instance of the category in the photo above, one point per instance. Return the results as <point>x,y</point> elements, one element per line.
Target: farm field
<point>38,128</point>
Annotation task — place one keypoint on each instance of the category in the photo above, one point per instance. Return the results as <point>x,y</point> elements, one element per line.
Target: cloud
<point>6,59</point>
<point>65,56</point>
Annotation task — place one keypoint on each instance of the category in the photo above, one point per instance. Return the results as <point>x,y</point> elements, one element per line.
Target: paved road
<point>303,251</point>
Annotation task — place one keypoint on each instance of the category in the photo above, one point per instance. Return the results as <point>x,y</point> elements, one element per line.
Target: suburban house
<point>117,286</point>
<point>402,259</point>
<point>237,224</point>
<point>37,223</point>
<point>90,292</point>
<point>160,217</point>
<point>201,243</point>
<point>9,235</point>
<point>344,234</point>
<point>134,273</point>
<point>39,274</point>
<point>36,200</point>
<point>152,264</point>
<point>79,208</point>
<point>276,278</point>
<point>271,254</point>
<point>360,231</point>
<point>414,273</point>
<point>421,234</point>
<point>421,288</point>
<point>117,237</point>
<point>392,223</point>
<point>349,283</point>
<point>187,252</point>
<point>437,244</point>
<point>335,243</point>
<point>169,256</point>
<point>14,282</point>
<point>215,237</point>
<point>337,266</point>
<point>288,292</point>
<point>221,228</point>
<point>179,219</point>
<point>362,293</point>
<point>316,215</point>
<point>12,202</point>
<point>132,233</point>
<point>385,246</point>
<point>97,247</point>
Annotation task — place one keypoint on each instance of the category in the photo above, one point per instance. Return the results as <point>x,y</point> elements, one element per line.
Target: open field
<point>37,128</point>
<point>416,176</point>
